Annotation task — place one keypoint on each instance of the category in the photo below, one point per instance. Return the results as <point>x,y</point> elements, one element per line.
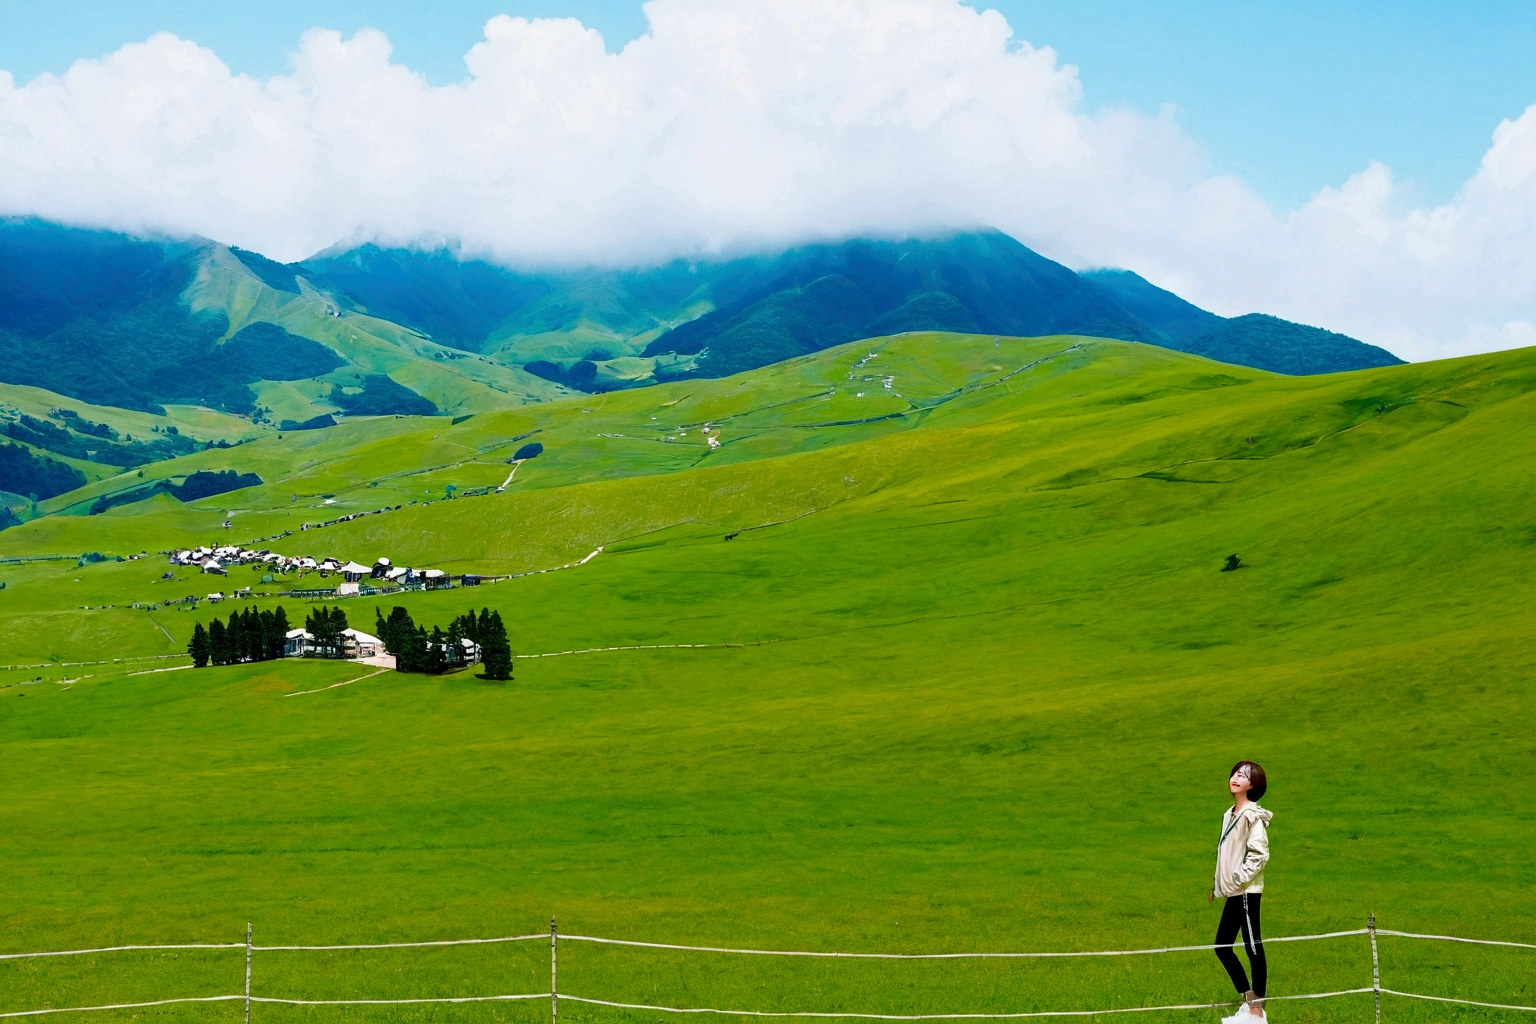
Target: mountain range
<point>140,324</point>
<point>602,329</point>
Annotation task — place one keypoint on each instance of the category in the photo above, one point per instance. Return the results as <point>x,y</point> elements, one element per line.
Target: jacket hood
<point>1255,811</point>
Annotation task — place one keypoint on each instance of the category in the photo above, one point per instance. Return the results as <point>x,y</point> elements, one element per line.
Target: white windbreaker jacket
<point>1243,851</point>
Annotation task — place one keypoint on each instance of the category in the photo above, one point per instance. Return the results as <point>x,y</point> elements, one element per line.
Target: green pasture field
<point>976,685</point>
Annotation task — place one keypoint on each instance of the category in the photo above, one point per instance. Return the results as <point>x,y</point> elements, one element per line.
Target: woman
<point>1240,858</point>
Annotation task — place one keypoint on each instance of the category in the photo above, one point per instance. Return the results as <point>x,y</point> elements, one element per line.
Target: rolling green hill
<point>992,682</point>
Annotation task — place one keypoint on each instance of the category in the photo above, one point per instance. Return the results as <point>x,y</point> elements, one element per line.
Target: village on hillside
<point>356,579</point>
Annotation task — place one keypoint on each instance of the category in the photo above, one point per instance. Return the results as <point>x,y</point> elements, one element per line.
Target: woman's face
<point>1240,782</point>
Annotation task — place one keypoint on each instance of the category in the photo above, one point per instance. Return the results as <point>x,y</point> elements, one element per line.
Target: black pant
<point>1241,914</point>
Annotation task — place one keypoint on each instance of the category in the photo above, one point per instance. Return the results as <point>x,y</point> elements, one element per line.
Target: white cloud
<point>735,125</point>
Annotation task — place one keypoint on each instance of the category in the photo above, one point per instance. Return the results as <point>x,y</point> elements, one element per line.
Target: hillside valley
<point>966,639</point>
<point>100,330</point>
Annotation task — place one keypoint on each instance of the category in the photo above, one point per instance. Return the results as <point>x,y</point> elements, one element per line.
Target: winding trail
<point>642,647</point>
<point>344,682</point>
<point>557,568</point>
<point>510,475</point>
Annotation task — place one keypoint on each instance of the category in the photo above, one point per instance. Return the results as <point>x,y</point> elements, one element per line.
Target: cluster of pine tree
<point>326,627</point>
<point>417,650</point>
<point>250,636</point>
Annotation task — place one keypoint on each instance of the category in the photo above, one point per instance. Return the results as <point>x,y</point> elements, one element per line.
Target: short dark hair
<point>1255,776</point>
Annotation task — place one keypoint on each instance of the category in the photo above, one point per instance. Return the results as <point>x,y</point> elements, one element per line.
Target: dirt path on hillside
<point>344,682</point>
<point>510,475</point>
<point>152,671</point>
<point>646,647</point>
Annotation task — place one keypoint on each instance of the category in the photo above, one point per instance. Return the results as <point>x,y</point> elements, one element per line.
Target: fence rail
<point>555,996</point>
<point>943,956</point>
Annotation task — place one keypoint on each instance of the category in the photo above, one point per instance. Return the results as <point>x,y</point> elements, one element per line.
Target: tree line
<point>253,635</point>
<point>417,650</point>
<point>250,636</point>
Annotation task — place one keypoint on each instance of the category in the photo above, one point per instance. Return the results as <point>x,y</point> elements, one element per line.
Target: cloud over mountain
<point>734,126</point>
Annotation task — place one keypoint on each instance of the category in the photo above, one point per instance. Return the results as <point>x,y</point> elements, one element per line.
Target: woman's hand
<point>1210,897</point>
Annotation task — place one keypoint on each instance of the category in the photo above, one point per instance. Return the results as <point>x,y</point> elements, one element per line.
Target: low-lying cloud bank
<point>733,126</point>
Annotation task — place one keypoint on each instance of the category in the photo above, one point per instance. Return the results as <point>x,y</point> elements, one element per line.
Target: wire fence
<point>556,997</point>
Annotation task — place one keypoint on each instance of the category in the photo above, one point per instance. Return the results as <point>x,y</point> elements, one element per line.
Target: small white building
<point>355,644</point>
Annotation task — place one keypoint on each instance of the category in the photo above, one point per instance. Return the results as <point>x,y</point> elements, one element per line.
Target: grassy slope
<point>370,345</point>
<point>1005,685</point>
<point>457,383</point>
<point>193,420</point>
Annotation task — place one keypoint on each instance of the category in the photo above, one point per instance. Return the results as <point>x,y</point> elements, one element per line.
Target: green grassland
<point>193,420</point>
<point>989,683</point>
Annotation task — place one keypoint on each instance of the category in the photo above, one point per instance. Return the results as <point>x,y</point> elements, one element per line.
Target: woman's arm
<point>1256,855</point>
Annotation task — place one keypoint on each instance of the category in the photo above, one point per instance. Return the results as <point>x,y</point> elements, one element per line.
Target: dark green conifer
<point>399,635</point>
<point>268,640</point>
<point>437,652</point>
<point>326,626</point>
<point>420,651</point>
<point>280,627</point>
<point>239,637</point>
<point>255,635</point>
<point>218,643</point>
<point>495,649</point>
<point>199,646</point>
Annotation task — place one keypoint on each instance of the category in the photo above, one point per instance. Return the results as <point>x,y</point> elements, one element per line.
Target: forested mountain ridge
<point>139,324</point>
<point>602,329</point>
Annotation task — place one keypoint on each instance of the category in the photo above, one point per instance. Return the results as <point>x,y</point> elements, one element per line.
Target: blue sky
<point>1289,96</point>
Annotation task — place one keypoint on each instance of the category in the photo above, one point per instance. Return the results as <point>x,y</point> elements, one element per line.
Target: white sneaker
<point>1242,1016</point>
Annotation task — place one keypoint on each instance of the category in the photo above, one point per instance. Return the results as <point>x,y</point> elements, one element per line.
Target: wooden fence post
<point>1375,966</point>
<point>247,972</point>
